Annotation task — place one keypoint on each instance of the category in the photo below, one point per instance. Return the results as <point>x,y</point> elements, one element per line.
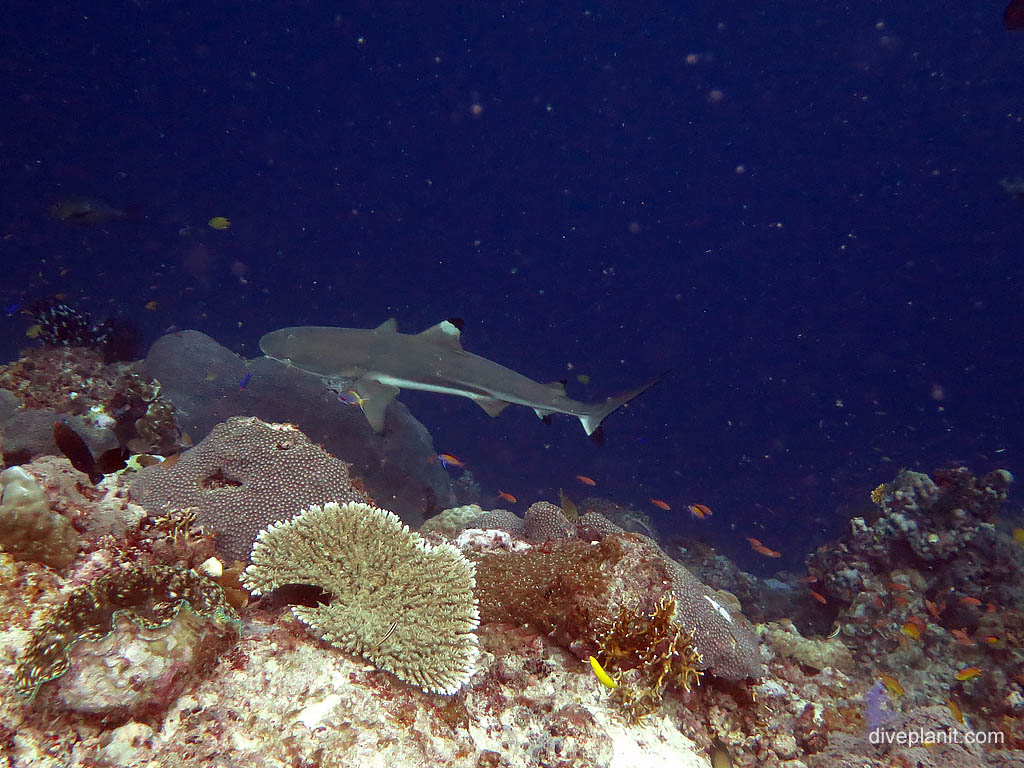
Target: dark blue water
<point>795,208</point>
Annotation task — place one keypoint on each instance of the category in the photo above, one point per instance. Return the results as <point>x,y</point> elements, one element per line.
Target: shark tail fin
<point>598,411</point>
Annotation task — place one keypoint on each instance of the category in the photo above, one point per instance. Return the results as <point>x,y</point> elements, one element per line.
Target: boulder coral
<point>29,529</point>
<point>245,475</point>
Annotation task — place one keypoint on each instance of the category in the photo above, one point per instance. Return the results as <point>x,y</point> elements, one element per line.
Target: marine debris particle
<point>151,597</point>
<point>647,653</point>
<point>401,604</point>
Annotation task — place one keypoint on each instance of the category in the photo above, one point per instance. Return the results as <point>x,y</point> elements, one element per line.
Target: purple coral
<point>246,475</point>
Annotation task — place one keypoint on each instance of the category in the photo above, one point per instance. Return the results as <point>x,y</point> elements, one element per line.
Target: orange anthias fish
<point>448,460</point>
<point>586,480</point>
<point>819,597</point>
<point>507,497</point>
<point>661,504</point>
<point>970,601</point>
<point>961,637</point>
<point>968,673</point>
<point>761,549</point>
<point>700,511</point>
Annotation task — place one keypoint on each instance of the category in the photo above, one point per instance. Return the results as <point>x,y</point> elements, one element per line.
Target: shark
<point>380,362</point>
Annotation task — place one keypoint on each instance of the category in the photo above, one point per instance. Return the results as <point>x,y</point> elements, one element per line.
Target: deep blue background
<point>823,255</point>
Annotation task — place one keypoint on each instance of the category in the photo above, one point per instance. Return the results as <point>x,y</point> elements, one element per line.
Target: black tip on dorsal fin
<point>597,436</point>
<point>546,419</point>
<point>458,322</point>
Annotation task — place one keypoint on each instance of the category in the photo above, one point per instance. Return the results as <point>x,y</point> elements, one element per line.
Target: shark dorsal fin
<point>446,334</point>
<point>388,325</point>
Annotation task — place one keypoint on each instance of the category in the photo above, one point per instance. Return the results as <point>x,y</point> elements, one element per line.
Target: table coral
<point>403,605</point>
<point>245,475</point>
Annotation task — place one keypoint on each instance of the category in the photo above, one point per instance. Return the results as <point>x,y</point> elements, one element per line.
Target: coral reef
<point>404,605</point>
<point>74,381</point>
<point>452,520</point>
<point>544,521</point>
<point>648,652</point>
<point>126,643</point>
<point>571,589</point>
<point>60,325</point>
<point>29,529</point>
<point>244,476</point>
<point>208,383</point>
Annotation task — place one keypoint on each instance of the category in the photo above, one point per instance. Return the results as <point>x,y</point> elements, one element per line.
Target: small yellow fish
<point>1018,536</point>
<point>891,683</point>
<point>567,505</point>
<point>219,222</point>
<point>601,674</point>
<point>34,331</point>
<point>911,630</point>
<point>955,711</point>
<point>968,673</point>
<point>152,306</point>
<point>583,378</point>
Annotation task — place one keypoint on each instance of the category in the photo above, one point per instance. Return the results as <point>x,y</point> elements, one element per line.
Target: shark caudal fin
<point>598,411</point>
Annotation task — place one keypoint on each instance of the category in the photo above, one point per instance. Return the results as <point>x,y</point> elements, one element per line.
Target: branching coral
<point>646,653</point>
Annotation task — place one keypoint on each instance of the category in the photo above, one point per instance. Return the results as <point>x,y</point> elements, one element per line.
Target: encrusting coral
<point>29,529</point>
<point>405,606</point>
<point>150,598</point>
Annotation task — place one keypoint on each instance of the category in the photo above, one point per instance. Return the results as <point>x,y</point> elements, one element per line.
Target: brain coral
<point>403,605</point>
<point>244,476</point>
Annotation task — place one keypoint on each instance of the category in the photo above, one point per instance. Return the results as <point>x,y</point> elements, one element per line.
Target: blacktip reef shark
<point>380,362</point>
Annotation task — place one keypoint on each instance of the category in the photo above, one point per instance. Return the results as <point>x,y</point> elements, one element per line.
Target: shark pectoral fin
<point>543,415</point>
<point>597,412</point>
<point>492,407</point>
<point>444,334</point>
<point>373,399</point>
